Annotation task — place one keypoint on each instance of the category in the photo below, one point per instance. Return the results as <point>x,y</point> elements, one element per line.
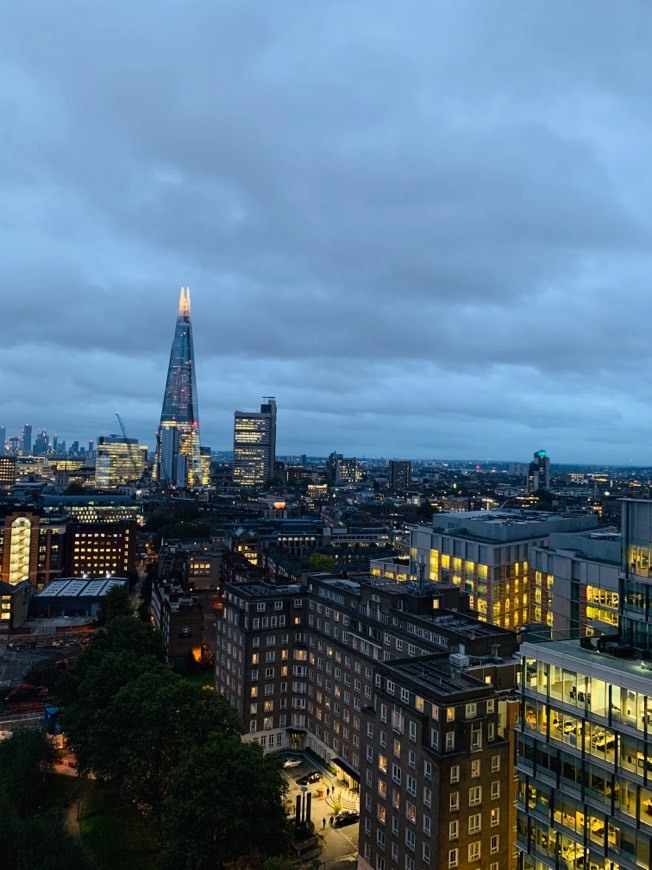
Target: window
<point>494,844</point>
<point>396,773</point>
<point>450,741</point>
<point>395,825</point>
<point>427,825</point>
<point>471,711</point>
<point>455,773</point>
<point>412,730</point>
<point>454,830</point>
<point>490,706</point>
<point>476,737</point>
<point>474,851</point>
<point>475,795</point>
<point>411,785</point>
<point>475,769</point>
<point>475,823</point>
<point>454,803</point>
<point>426,853</point>
<point>453,858</point>
<point>495,763</point>
<point>405,696</point>
<point>495,789</point>
<point>450,714</point>
<point>494,817</point>
<point>410,812</point>
<point>490,731</point>
<point>412,758</point>
<point>410,839</point>
<point>382,814</point>
<point>427,769</point>
<point>427,796</point>
<point>434,738</point>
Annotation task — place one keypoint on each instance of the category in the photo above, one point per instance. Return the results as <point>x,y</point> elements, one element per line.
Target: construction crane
<point>130,446</point>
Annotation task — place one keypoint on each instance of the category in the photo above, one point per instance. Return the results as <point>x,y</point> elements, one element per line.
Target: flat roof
<point>436,675</point>
<point>80,587</point>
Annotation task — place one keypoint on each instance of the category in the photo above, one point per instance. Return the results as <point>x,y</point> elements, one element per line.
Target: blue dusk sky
<point>424,227</point>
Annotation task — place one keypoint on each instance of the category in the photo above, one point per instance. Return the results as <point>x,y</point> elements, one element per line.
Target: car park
<point>346,818</point>
<point>313,776</point>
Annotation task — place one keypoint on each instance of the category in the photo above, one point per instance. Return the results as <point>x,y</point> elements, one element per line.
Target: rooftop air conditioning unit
<point>459,660</point>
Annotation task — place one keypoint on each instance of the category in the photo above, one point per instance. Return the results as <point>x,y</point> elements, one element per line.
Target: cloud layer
<point>425,229</point>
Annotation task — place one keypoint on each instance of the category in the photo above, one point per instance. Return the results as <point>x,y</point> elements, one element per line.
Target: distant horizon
<point>382,456</point>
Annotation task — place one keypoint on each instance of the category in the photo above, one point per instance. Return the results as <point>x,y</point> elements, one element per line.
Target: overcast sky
<point>424,227</point>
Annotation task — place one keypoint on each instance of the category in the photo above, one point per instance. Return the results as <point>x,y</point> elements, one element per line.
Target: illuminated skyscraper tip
<point>184,302</point>
<point>178,453</point>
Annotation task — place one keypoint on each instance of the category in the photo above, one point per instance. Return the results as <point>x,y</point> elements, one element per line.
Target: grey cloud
<point>425,227</point>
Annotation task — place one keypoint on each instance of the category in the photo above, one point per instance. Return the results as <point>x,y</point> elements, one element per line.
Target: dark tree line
<point>173,750</point>
<point>31,836</point>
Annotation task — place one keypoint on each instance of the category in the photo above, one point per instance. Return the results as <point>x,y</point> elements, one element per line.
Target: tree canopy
<point>171,749</point>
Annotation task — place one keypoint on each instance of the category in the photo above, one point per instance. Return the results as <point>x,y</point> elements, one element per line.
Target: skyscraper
<point>539,472</point>
<point>181,458</point>
<point>254,445</point>
<point>3,438</point>
<point>27,440</point>
<point>400,474</point>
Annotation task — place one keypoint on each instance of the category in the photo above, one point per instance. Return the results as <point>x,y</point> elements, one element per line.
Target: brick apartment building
<point>311,667</point>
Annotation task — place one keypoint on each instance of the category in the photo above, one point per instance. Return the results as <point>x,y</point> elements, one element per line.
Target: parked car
<point>292,762</point>
<point>313,776</point>
<point>346,818</point>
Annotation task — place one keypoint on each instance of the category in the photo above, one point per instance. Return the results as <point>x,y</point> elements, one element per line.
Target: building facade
<point>584,759</point>
<point>538,475</point>
<point>400,474</point>
<point>118,461</point>
<point>486,553</point>
<point>435,765</point>
<point>254,446</point>
<point>575,583</point>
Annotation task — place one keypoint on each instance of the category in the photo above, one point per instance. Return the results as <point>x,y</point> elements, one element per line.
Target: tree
<point>149,723</point>
<point>115,603</point>
<point>425,511</point>
<point>30,837</point>
<point>321,562</point>
<point>236,807</point>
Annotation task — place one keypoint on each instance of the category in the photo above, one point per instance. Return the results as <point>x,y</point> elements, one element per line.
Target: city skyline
<point>436,246</point>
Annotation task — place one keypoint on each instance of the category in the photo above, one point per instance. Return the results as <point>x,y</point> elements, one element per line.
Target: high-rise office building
<point>3,438</point>
<point>254,445</point>
<point>41,443</point>
<point>119,460</point>
<point>538,476</point>
<point>27,439</point>
<point>180,458</point>
<point>400,474</point>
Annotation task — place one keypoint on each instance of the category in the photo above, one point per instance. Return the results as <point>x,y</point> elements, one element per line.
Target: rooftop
<point>435,675</point>
<point>80,587</point>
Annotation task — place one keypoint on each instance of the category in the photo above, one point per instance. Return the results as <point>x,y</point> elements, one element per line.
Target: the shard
<point>178,453</point>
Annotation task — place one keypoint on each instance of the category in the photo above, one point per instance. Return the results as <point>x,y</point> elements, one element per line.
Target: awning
<point>346,767</point>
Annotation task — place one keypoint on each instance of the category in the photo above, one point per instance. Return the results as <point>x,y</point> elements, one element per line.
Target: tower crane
<point>130,446</point>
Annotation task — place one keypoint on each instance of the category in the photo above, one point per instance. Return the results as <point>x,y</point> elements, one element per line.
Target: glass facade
<point>180,409</point>
<point>584,760</point>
